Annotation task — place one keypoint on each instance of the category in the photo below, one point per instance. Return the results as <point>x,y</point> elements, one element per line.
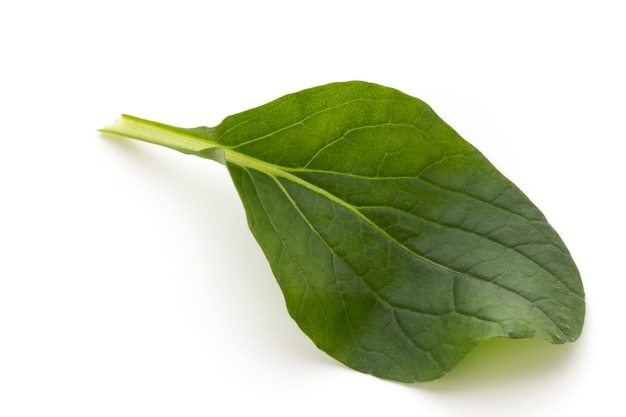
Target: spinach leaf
<point>397,245</point>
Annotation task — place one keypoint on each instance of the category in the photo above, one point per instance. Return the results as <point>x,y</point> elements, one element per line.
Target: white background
<point>129,282</point>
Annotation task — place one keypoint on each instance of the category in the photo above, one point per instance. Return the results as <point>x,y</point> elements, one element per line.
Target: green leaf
<point>397,245</point>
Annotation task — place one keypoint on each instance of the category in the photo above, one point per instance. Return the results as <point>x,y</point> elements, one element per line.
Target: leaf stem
<point>180,139</point>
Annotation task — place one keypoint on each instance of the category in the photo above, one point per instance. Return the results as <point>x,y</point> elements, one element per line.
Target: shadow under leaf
<point>503,360</point>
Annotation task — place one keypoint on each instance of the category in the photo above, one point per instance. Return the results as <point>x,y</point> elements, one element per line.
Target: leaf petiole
<point>162,134</point>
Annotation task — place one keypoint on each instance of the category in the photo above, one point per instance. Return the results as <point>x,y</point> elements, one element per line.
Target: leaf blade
<point>509,312</point>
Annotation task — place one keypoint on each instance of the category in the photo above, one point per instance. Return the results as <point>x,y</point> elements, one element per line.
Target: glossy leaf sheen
<point>397,245</point>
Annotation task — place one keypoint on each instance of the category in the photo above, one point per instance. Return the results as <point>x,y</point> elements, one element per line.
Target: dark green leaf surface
<point>397,245</point>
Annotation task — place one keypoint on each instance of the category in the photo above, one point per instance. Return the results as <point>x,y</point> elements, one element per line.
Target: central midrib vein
<point>248,162</point>
<point>189,142</point>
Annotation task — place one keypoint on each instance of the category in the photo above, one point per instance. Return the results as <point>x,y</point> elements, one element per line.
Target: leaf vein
<point>303,120</point>
<point>488,237</point>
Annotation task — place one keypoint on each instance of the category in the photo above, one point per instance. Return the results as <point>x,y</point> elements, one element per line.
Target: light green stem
<point>183,140</point>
